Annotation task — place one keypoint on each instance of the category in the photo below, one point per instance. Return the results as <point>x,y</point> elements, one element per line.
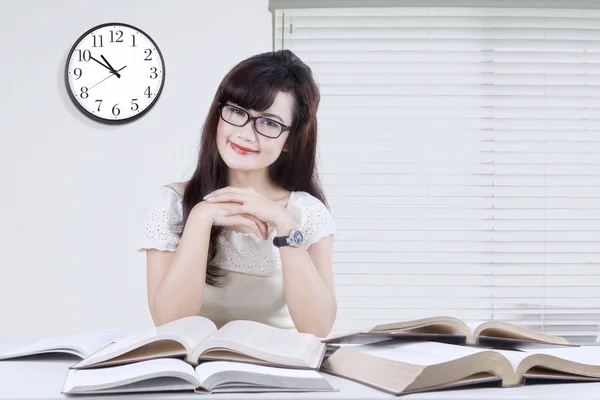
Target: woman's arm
<point>176,279</point>
<point>308,283</point>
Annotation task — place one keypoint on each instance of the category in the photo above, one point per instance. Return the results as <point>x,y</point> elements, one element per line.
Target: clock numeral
<point>149,56</point>
<point>77,72</point>
<point>84,56</point>
<point>84,92</point>
<point>99,104</point>
<point>133,38</point>
<point>153,73</point>
<point>147,92</point>
<point>119,36</point>
<point>97,39</point>
<point>133,103</point>
<point>115,110</point>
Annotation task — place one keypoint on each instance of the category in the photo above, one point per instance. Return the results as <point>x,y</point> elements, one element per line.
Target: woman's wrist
<point>285,224</point>
<point>199,216</point>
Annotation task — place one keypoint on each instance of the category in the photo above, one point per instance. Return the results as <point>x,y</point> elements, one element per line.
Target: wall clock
<point>114,73</point>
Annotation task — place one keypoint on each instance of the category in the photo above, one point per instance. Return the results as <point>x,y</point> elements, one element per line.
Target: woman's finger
<point>248,212</point>
<point>264,228</point>
<point>241,220</point>
<point>254,226</point>
<point>227,198</point>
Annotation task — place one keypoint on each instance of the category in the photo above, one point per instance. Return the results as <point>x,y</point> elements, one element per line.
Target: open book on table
<point>196,339</point>
<point>81,345</point>
<point>170,374</point>
<point>406,367</point>
<point>450,330</point>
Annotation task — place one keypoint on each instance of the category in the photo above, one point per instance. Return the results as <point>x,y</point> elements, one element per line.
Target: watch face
<point>114,73</point>
<point>297,237</point>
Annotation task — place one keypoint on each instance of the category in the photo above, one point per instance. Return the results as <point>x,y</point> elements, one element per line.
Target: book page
<point>82,344</point>
<point>474,325</point>
<point>420,353</point>
<point>208,369</point>
<point>191,330</point>
<point>589,355</point>
<point>112,377</point>
<point>230,374</point>
<point>513,356</point>
<point>432,325</point>
<point>188,331</point>
<point>505,333</point>
<point>260,340</point>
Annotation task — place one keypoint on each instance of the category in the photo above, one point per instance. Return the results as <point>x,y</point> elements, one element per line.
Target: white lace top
<point>253,286</point>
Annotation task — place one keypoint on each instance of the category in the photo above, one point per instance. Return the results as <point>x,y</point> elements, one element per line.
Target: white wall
<point>71,187</point>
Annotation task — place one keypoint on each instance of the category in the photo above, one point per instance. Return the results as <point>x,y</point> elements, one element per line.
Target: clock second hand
<point>111,74</point>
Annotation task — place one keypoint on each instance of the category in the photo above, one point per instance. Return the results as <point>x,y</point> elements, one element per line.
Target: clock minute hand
<point>114,71</point>
<point>101,63</point>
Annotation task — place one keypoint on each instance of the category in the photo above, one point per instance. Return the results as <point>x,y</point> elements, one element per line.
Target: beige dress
<point>253,287</point>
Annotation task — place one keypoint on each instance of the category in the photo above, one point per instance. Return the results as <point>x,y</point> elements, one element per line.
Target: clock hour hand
<point>114,71</point>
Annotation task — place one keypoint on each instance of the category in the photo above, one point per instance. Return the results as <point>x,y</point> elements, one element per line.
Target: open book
<point>170,374</point>
<point>196,339</point>
<point>401,368</point>
<point>82,344</point>
<point>449,330</point>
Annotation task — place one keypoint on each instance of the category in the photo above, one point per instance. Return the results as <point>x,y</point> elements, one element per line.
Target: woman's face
<point>265,150</point>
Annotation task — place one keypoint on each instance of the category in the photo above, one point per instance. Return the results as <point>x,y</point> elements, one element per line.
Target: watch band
<point>280,241</point>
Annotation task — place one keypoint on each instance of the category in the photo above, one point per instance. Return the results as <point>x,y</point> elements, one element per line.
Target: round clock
<point>114,73</point>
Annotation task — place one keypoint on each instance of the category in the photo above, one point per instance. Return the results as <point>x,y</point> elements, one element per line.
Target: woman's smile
<point>241,150</point>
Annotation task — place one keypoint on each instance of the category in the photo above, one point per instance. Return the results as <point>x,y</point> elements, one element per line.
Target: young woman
<point>259,247</point>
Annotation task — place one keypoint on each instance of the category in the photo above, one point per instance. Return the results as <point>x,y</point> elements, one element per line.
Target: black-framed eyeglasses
<point>238,117</point>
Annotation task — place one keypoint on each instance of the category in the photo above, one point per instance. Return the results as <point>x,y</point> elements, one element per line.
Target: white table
<point>43,378</point>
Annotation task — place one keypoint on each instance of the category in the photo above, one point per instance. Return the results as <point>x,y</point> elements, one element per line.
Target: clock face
<point>115,73</point>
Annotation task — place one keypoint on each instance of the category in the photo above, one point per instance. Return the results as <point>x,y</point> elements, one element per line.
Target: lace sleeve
<point>162,219</point>
<point>318,222</point>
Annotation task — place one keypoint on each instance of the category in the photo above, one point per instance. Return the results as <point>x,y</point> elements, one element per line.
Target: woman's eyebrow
<point>272,116</point>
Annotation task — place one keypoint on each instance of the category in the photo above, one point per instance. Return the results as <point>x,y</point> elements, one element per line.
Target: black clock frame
<point>83,109</point>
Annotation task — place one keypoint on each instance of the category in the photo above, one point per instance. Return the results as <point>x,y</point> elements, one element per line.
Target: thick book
<point>81,345</point>
<point>196,339</point>
<point>170,374</point>
<point>449,330</point>
<point>407,367</point>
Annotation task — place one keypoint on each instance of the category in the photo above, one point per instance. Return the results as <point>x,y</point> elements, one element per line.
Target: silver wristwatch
<point>295,239</point>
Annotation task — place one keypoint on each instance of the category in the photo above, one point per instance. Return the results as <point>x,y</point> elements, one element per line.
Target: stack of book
<point>428,354</point>
<point>443,352</point>
<point>191,354</point>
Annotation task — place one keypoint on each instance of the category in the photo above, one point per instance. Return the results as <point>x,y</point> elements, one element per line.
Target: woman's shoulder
<point>162,218</point>
<point>313,216</point>
<point>309,207</point>
<point>177,187</point>
<point>306,200</point>
<point>167,196</point>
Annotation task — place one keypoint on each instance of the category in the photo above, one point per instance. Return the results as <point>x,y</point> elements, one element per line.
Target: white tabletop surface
<point>43,378</point>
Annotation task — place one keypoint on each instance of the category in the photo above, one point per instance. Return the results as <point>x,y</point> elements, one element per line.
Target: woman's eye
<point>269,123</point>
<point>236,111</point>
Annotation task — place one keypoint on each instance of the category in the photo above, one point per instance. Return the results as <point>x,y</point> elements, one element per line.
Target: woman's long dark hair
<point>253,84</point>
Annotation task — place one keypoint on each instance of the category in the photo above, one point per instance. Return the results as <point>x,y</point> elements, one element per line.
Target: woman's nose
<point>247,131</point>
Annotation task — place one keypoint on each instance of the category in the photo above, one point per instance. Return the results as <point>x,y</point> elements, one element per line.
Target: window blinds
<point>460,153</point>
